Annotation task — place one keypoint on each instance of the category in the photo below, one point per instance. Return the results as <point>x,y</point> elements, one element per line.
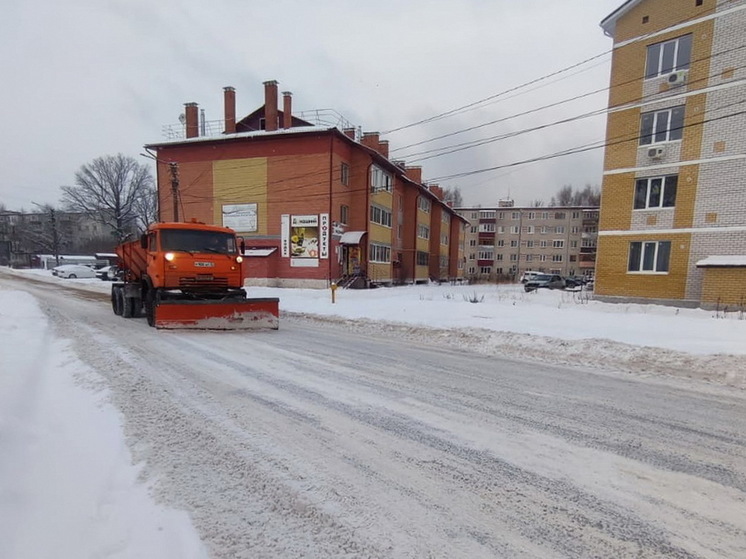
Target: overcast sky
<point>87,78</point>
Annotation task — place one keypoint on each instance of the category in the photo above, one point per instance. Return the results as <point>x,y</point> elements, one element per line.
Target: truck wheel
<point>150,307</point>
<point>127,306</point>
<point>116,300</point>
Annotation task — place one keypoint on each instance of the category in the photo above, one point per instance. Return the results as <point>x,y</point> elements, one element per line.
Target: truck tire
<point>150,307</point>
<point>127,304</point>
<point>117,300</point>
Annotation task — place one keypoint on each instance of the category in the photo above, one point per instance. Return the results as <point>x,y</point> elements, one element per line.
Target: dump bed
<point>132,259</point>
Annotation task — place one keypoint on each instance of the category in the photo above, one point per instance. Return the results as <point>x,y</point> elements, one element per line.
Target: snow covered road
<point>322,440</point>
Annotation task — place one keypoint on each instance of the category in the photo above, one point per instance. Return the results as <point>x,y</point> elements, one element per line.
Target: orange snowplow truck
<point>188,275</point>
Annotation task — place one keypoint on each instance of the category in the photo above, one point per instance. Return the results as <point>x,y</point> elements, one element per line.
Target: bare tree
<point>109,190</point>
<point>568,196</point>
<point>537,203</point>
<point>146,208</point>
<point>453,197</point>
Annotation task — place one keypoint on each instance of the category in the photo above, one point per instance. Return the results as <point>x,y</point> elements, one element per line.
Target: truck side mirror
<point>144,241</point>
<point>242,244</point>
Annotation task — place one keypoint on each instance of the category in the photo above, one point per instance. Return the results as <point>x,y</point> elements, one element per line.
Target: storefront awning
<point>351,237</point>
<point>259,251</point>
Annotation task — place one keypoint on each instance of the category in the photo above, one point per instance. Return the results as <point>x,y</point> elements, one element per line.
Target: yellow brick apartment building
<point>672,226</point>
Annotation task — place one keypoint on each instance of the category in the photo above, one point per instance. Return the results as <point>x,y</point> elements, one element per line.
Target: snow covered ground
<point>68,487</point>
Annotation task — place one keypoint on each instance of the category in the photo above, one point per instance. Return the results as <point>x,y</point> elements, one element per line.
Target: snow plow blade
<point>246,314</point>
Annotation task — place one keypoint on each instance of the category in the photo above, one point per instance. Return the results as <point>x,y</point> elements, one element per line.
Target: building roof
<point>723,261</point>
<point>609,22</point>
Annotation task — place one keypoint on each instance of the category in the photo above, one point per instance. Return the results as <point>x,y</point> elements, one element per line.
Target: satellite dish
<point>182,118</point>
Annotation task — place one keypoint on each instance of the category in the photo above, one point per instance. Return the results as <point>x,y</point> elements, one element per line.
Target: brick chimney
<point>350,133</point>
<point>192,120</point>
<point>414,173</point>
<point>287,109</point>
<point>270,106</point>
<point>372,140</point>
<point>229,102</point>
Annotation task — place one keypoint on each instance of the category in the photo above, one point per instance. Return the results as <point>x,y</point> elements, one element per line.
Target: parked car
<point>72,271</point>
<point>107,273</point>
<point>546,281</point>
<point>529,275</point>
<point>576,281</point>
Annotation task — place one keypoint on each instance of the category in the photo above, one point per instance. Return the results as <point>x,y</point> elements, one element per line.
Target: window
<point>486,254</point>
<point>529,244</point>
<point>445,217</point>
<point>560,215</point>
<point>472,256</point>
<point>558,243</point>
<point>485,270</point>
<point>380,253</point>
<point>472,242</point>
<point>530,229</point>
<point>531,215</point>
<point>487,227</point>
<point>542,244</point>
<point>668,56</point>
<point>529,258</point>
<point>556,258</point>
<point>379,180</point>
<point>544,229</point>
<point>501,229</point>
<point>514,229</point>
<point>656,192</point>
<point>501,242</point>
<point>576,215</point>
<point>443,239</point>
<point>423,231</point>
<point>487,214</point>
<point>559,229</point>
<point>423,258</point>
<point>573,244</point>
<point>380,216</point>
<point>514,243</point>
<point>344,212</point>
<point>661,126</point>
<point>649,256</point>
<point>344,174</point>
<point>473,229</point>
<point>423,204</point>
<point>513,257</point>
<point>499,256</point>
<point>515,215</point>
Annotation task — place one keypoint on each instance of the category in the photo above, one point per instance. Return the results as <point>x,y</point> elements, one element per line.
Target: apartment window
<point>380,253</point>
<point>514,229</point>
<point>544,215</point>
<point>485,270</point>
<point>649,256</point>
<point>487,227</point>
<point>501,242</point>
<point>423,231</point>
<point>544,229</point>
<point>443,239</point>
<point>529,244</point>
<point>531,215</point>
<point>379,180</point>
<point>486,254</point>
<point>530,229</point>
<point>423,258</point>
<point>558,243</point>
<point>473,229</point>
<point>514,243</point>
<point>573,244</point>
<point>501,229</point>
<point>344,174</point>
<point>559,229</point>
<point>498,256</point>
<point>513,257</point>
<point>423,204</point>
<point>529,257</point>
<point>472,256</point>
<point>661,126</point>
<point>380,216</point>
<point>576,215</point>
<point>556,258</point>
<point>344,212</point>
<point>472,242</point>
<point>560,215</point>
<point>472,270</point>
<point>669,56</point>
<point>515,215</point>
<point>487,214</point>
<point>656,192</point>
<point>543,244</point>
<point>445,217</point>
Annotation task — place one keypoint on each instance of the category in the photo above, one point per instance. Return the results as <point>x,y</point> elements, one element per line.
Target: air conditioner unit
<point>656,153</point>
<point>677,78</point>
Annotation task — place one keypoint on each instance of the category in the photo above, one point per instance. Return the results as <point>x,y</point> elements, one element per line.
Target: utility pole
<point>174,169</point>
<point>55,236</point>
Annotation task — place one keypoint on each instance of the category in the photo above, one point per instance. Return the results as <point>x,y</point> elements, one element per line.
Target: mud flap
<point>246,314</point>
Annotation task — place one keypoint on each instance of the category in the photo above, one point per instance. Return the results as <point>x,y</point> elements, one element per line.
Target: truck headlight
<point>169,256</point>
<point>239,259</point>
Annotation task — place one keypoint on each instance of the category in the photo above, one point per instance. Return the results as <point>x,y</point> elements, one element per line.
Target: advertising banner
<point>285,235</point>
<point>324,236</point>
<point>304,236</point>
<point>240,217</point>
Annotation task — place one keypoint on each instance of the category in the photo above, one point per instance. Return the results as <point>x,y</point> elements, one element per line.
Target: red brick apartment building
<point>315,204</point>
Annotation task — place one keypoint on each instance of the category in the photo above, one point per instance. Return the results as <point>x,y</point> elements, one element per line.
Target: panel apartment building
<point>503,242</point>
<point>673,208</point>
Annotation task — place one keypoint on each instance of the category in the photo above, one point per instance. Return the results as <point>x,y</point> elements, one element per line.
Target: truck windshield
<point>198,241</point>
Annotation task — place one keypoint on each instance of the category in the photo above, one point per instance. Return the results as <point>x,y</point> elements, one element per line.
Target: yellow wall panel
<point>242,181</point>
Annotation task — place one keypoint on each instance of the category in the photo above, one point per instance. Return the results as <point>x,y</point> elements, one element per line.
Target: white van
<point>529,275</point>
